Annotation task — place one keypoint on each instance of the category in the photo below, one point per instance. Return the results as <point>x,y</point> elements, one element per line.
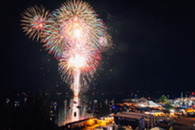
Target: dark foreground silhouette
<point>33,114</point>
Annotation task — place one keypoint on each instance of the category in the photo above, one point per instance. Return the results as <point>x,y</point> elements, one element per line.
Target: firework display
<point>73,34</point>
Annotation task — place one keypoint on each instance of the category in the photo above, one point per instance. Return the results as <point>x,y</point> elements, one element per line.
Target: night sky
<point>153,48</point>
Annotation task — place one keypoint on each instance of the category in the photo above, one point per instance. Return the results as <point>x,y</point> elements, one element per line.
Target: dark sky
<point>153,47</point>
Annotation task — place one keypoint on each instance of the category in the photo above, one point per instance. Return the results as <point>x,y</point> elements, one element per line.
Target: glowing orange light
<point>90,121</point>
<point>40,25</point>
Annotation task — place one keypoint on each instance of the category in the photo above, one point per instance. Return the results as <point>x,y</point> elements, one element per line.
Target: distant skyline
<point>153,48</point>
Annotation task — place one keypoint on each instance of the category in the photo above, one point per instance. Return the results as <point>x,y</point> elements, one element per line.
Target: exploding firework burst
<point>34,21</point>
<point>79,18</point>
<point>79,57</point>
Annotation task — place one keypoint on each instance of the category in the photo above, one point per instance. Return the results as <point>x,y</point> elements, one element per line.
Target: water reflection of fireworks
<point>74,111</point>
